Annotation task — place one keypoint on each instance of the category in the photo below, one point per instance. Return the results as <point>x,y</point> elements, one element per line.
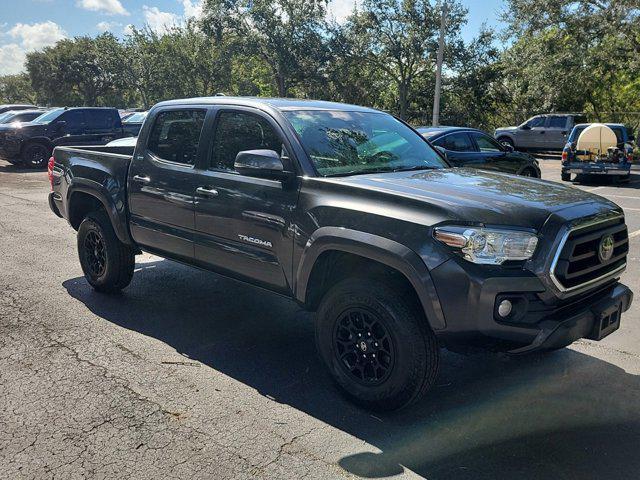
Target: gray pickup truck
<point>542,132</point>
<point>351,213</point>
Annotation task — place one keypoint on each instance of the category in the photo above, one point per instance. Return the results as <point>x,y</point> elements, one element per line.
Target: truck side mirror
<point>60,125</point>
<point>525,126</point>
<point>260,164</point>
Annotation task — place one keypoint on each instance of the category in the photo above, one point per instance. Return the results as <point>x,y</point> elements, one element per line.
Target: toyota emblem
<point>605,249</point>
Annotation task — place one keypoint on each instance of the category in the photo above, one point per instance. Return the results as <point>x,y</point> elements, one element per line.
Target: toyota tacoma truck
<point>351,213</point>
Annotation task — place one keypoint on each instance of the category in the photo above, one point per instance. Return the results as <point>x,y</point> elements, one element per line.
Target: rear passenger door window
<point>239,131</point>
<point>557,122</point>
<point>175,136</point>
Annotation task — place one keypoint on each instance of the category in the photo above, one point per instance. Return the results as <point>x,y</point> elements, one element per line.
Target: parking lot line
<point>623,196</point>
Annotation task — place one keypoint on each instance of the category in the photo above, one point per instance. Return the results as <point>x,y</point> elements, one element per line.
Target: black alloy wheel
<point>373,336</point>
<point>36,155</point>
<point>364,346</point>
<point>95,253</point>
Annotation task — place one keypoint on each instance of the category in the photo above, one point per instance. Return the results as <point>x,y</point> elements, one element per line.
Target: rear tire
<point>36,155</point>
<point>377,344</point>
<point>107,263</point>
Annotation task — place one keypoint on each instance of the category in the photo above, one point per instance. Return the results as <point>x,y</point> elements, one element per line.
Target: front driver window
<point>240,131</point>
<point>535,122</point>
<point>486,143</point>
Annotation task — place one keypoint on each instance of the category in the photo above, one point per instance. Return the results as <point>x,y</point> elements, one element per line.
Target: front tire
<point>377,344</point>
<point>529,172</point>
<point>565,176</point>
<point>107,263</point>
<point>507,142</point>
<point>36,155</point>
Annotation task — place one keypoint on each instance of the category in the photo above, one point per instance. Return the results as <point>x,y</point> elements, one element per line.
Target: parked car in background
<point>124,114</point>
<point>13,116</point>
<point>468,147</point>
<point>352,214</point>
<point>133,123</point>
<point>32,143</point>
<point>123,142</point>
<point>6,108</point>
<point>543,132</point>
<point>615,160</point>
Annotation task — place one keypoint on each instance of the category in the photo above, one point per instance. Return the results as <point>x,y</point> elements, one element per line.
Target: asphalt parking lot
<point>189,375</point>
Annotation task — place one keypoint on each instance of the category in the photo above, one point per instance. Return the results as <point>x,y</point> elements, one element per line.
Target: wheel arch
<point>41,140</point>
<point>86,196</point>
<point>330,244</point>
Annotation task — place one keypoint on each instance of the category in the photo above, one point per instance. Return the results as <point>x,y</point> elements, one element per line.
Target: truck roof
<point>282,104</point>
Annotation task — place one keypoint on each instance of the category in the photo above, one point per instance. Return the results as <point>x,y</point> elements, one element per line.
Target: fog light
<point>504,309</point>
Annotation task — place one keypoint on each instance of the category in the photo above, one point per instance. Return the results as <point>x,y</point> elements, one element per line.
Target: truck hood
<point>506,129</point>
<point>470,195</point>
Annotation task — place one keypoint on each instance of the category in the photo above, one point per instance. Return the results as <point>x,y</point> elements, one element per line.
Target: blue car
<point>468,147</point>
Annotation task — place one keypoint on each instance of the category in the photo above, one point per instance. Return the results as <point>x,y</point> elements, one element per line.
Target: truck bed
<point>97,170</point>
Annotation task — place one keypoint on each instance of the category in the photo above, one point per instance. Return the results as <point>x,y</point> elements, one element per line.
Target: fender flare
<point>42,140</point>
<point>99,192</point>
<point>377,248</point>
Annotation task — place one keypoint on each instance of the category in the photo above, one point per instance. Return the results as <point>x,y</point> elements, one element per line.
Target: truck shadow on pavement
<point>562,415</point>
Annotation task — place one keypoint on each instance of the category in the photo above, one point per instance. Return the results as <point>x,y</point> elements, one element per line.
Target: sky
<point>28,25</point>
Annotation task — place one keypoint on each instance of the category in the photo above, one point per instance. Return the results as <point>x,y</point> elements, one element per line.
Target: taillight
<point>630,157</point>
<point>52,162</point>
<point>565,155</point>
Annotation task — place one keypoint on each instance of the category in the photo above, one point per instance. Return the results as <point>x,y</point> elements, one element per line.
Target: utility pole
<point>436,96</point>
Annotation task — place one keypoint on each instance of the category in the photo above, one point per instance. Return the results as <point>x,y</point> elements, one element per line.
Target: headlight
<point>488,246</point>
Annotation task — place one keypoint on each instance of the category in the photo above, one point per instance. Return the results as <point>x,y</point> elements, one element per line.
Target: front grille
<point>579,262</point>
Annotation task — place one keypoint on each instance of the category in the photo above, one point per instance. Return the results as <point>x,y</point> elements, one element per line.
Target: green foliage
<point>559,55</point>
<point>16,89</point>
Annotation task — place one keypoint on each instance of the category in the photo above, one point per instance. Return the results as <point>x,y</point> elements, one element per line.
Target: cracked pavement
<point>190,375</point>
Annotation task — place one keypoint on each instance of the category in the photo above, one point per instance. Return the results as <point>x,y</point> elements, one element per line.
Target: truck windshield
<point>49,116</point>
<point>352,143</point>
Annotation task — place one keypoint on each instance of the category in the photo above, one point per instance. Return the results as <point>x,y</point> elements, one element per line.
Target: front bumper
<point>596,168</point>
<point>10,149</point>
<point>470,296</point>
<point>594,322</point>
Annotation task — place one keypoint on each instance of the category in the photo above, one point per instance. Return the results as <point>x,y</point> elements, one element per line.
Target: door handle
<point>141,179</point>
<point>207,192</point>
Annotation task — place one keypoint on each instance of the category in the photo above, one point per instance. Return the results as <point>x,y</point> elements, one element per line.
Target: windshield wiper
<point>365,171</point>
<point>416,167</point>
<point>362,171</point>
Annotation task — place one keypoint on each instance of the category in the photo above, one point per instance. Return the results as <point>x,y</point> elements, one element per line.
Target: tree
<point>400,37</point>
<point>285,34</point>
<point>72,71</point>
<point>574,55</point>
<point>17,89</point>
